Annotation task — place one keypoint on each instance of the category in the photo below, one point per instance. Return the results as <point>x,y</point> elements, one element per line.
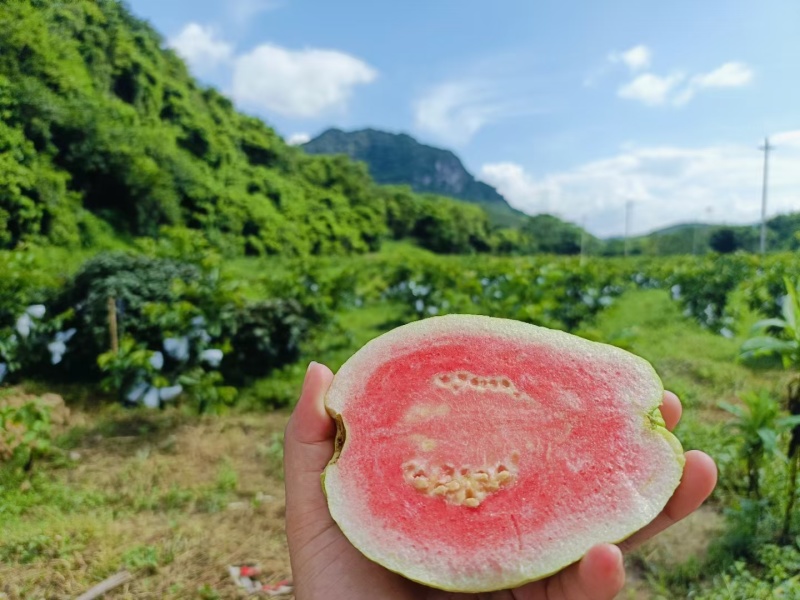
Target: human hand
<point>325,564</point>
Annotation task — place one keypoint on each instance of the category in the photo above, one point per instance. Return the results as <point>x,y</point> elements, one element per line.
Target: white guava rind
<point>395,554</point>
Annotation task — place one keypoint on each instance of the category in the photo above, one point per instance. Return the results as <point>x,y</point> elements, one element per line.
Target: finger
<point>599,575</point>
<point>308,440</point>
<point>671,410</point>
<point>697,483</point>
<point>310,422</point>
<point>308,446</point>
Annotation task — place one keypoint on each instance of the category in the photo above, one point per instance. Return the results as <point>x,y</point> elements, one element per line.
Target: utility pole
<point>628,206</point>
<point>766,149</point>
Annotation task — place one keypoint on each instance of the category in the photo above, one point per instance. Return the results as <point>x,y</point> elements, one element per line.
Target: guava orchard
<point>481,453</point>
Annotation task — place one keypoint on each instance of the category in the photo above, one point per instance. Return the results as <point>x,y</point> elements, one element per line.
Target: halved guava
<point>477,454</point>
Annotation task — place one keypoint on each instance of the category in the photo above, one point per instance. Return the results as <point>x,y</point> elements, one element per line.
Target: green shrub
<point>132,282</point>
<point>25,433</point>
<point>773,574</point>
<point>264,336</point>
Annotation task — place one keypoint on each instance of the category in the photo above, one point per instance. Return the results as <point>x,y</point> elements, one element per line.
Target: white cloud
<point>677,90</point>
<point>729,75</point>
<point>668,185</point>
<point>635,58</point>
<point>297,83</point>
<point>650,89</point>
<point>787,138</point>
<point>454,111</point>
<point>201,47</point>
<point>242,11</point>
<point>298,139</point>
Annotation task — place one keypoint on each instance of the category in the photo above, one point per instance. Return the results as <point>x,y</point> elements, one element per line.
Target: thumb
<point>308,446</point>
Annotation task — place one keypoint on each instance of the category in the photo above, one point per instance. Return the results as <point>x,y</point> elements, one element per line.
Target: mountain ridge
<point>401,159</point>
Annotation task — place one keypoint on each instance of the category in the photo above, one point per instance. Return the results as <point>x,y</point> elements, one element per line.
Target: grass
<point>172,498</point>
<point>698,365</point>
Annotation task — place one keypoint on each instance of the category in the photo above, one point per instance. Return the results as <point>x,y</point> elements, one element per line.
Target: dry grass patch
<point>181,498</point>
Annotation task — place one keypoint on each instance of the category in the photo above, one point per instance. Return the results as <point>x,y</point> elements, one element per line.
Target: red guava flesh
<point>477,454</point>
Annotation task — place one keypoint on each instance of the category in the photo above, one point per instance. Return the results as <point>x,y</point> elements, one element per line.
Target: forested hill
<point>102,127</point>
<point>400,159</point>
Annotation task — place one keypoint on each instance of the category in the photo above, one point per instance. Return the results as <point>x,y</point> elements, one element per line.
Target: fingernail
<point>308,370</point>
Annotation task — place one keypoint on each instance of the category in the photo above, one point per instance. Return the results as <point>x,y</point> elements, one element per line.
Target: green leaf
<point>769,437</point>
<point>736,411</point>
<point>790,304</point>
<point>768,323</point>
<point>788,422</point>
<point>764,346</point>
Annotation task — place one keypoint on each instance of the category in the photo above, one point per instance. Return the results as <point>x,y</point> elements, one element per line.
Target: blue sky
<point>570,107</point>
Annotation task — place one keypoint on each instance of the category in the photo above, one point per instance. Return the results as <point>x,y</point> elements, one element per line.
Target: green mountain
<point>105,133</point>
<point>400,159</point>
<point>783,233</point>
<point>681,228</point>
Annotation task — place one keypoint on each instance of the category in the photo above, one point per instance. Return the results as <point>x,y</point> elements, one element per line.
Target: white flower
<point>136,392</point>
<point>150,399</point>
<point>57,350</point>
<point>177,348</point>
<point>65,336</point>
<point>709,312</point>
<point>157,360</point>
<point>212,357</point>
<point>24,324</point>
<point>170,393</point>
<point>36,310</point>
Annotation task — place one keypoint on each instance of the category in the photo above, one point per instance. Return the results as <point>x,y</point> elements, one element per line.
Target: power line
<point>766,149</point>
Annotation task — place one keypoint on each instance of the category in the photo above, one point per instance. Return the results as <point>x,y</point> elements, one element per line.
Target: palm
<point>326,565</point>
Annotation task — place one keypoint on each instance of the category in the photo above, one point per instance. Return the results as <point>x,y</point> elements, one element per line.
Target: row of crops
<point>195,330</point>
